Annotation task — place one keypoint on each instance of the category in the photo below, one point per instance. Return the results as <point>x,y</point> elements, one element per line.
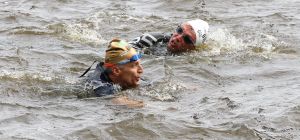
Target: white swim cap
<point>201,29</point>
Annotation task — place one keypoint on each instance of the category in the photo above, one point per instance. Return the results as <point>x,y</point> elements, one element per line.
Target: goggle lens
<point>132,59</point>
<point>186,38</point>
<point>179,30</point>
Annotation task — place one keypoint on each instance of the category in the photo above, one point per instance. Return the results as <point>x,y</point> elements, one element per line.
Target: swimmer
<point>121,70</point>
<point>187,37</point>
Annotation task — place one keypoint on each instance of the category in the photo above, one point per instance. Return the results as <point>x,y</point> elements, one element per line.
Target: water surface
<point>245,85</point>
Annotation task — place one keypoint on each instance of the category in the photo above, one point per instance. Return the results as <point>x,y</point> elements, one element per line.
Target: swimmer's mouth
<point>137,78</point>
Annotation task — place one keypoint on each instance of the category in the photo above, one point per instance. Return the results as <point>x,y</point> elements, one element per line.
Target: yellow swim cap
<point>119,52</point>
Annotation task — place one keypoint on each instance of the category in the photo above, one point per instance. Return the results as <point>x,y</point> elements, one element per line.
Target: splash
<point>34,77</point>
<point>258,44</point>
<point>165,89</point>
<point>222,41</point>
<point>78,32</point>
<point>37,85</point>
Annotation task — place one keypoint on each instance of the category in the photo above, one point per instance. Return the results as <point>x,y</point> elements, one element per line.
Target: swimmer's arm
<point>125,101</point>
<point>148,40</point>
<point>120,100</point>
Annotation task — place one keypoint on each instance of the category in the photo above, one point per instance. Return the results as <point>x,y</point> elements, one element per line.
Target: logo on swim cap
<point>201,29</point>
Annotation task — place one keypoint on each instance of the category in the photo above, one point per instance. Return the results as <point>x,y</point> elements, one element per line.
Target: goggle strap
<point>87,70</point>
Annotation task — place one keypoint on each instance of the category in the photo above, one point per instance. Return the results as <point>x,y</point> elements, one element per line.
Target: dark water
<point>244,85</point>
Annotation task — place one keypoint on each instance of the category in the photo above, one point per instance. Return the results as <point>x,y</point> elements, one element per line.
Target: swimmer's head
<point>188,36</point>
<point>123,63</point>
<point>119,52</point>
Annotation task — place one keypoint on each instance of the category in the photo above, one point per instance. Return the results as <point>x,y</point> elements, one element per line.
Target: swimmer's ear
<point>115,71</point>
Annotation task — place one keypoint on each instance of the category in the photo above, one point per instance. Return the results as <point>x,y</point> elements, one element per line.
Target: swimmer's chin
<point>131,86</point>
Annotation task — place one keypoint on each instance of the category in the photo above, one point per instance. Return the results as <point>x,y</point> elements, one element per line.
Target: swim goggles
<point>132,59</point>
<point>186,38</point>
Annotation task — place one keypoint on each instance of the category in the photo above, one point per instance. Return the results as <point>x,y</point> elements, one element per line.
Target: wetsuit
<point>98,83</point>
<point>152,43</point>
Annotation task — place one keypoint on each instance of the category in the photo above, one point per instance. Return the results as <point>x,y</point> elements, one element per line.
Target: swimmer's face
<point>183,39</point>
<point>129,74</point>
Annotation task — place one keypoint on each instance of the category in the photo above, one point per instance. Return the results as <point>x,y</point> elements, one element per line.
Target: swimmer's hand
<point>166,37</point>
<point>123,100</point>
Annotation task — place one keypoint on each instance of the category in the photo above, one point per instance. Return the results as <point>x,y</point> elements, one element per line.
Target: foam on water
<point>39,84</point>
<point>243,85</point>
<point>78,32</point>
<point>222,41</point>
<point>18,75</point>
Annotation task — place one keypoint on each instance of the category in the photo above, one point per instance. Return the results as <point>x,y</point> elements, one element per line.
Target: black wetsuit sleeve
<point>148,40</point>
